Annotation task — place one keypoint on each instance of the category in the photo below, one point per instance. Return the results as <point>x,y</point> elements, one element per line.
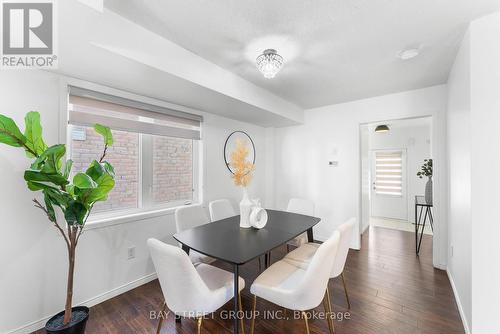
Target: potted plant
<point>426,170</point>
<point>75,198</point>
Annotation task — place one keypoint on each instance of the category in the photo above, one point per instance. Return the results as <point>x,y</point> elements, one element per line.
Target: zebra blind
<point>389,173</point>
<point>88,107</point>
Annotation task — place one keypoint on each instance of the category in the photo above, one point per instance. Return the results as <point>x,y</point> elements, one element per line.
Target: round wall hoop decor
<point>230,145</point>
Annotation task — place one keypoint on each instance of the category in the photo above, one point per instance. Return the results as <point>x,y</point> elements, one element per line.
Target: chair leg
<point>163,307</point>
<point>329,304</point>
<point>260,264</point>
<point>252,326</point>
<point>200,320</point>
<point>328,313</point>
<point>345,290</point>
<point>267,260</point>
<point>287,248</point>
<point>304,314</point>
<point>242,314</point>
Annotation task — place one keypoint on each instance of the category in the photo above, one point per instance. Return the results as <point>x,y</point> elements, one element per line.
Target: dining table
<point>226,241</point>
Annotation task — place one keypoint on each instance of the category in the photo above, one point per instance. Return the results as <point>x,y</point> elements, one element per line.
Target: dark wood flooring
<point>391,291</point>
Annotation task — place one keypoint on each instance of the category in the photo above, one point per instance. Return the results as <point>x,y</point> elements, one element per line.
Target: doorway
<point>390,161</point>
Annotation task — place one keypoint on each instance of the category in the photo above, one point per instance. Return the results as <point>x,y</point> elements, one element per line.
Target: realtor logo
<point>28,34</point>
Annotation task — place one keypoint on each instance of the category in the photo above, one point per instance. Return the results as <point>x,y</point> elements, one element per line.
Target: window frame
<point>143,211</point>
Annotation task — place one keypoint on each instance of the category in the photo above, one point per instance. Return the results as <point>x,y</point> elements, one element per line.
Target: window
<point>389,173</point>
<point>153,151</point>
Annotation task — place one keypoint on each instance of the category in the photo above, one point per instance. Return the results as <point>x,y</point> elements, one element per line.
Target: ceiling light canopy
<point>382,128</point>
<point>269,63</point>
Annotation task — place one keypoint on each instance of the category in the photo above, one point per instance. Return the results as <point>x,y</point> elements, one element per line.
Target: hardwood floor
<point>391,291</point>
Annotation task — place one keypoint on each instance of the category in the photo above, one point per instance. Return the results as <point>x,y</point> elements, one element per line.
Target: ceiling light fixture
<point>269,63</point>
<point>382,128</point>
<point>408,54</point>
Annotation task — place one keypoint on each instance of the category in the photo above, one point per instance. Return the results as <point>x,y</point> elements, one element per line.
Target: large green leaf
<point>58,197</point>
<point>83,181</point>
<point>50,160</point>
<point>105,132</point>
<point>109,168</point>
<point>41,177</point>
<point>67,168</point>
<point>75,213</point>
<point>105,185</point>
<point>95,170</point>
<point>35,186</point>
<point>33,134</point>
<point>10,133</point>
<point>50,208</point>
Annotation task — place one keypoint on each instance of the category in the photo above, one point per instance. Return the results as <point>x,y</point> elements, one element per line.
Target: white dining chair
<point>190,291</point>
<point>299,288</point>
<point>187,217</point>
<point>303,207</point>
<point>221,209</point>
<point>300,206</point>
<point>304,254</point>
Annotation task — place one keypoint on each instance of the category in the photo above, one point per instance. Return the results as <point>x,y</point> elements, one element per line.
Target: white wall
<point>302,154</point>
<point>366,186</point>
<point>474,162</point>
<point>459,178</point>
<point>33,260</point>
<point>414,137</point>
<point>485,168</point>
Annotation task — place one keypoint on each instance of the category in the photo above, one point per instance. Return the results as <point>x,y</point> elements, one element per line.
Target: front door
<point>389,189</point>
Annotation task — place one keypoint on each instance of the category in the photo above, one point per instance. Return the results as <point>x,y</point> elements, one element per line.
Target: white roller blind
<point>88,107</point>
<point>389,173</point>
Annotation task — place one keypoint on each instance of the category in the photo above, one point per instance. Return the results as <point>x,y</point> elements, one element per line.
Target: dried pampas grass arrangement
<point>242,169</point>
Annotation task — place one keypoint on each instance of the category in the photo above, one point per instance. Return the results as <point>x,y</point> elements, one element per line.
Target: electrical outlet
<point>131,252</point>
<point>451,251</point>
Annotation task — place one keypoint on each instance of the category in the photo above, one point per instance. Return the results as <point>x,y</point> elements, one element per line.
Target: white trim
<point>38,324</point>
<point>365,228</point>
<point>131,217</point>
<point>459,304</point>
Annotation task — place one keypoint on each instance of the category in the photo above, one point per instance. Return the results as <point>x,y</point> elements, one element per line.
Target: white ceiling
<point>335,51</point>
<point>104,48</point>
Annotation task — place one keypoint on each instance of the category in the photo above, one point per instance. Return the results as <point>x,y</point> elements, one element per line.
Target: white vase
<point>245,209</point>
<point>428,191</point>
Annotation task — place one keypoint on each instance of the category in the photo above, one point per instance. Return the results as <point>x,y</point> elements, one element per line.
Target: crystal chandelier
<point>269,63</point>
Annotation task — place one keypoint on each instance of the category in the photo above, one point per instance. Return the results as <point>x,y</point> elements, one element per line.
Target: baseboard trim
<point>459,303</point>
<point>38,324</point>
<point>365,228</point>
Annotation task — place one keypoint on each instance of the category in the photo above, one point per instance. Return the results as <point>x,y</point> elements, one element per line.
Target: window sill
<point>102,222</point>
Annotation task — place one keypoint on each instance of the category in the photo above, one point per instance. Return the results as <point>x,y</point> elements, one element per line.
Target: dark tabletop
<point>226,241</point>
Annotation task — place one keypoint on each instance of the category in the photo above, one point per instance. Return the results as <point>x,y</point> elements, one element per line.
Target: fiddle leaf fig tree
<point>50,174</point>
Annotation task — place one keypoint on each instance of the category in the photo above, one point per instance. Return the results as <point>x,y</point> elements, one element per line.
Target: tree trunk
<point>71,272</point>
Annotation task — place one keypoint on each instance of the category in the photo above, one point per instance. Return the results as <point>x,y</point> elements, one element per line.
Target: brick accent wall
<point>123,155</point>
<point>172,169</point>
